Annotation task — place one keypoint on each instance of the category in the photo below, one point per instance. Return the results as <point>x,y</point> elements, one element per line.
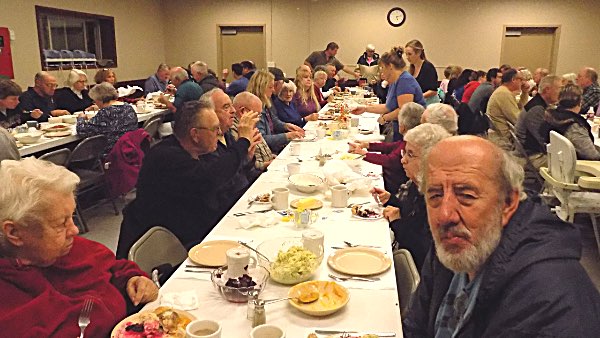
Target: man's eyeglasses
<point>409,154</point>
<point>51,85</point>
<point>216,129</point>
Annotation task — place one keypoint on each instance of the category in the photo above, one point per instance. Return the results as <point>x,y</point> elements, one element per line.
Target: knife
<point>380,334</point>
<point>251,212</point>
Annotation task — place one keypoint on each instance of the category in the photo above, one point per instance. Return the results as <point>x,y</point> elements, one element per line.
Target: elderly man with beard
<point>503,265</point>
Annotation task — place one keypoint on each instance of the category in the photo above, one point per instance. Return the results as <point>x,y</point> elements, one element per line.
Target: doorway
<point>531,47</point>
<point>239,43</point>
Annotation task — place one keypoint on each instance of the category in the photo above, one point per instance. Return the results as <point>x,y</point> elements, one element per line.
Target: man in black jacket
<point>176,188</point>
<point>503,265</point>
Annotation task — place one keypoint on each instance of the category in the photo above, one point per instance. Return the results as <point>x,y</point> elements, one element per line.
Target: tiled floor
<point>104,228</point>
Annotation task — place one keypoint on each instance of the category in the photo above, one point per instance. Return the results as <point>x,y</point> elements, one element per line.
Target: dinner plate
<point>359,261</point>
<point>55,127</point>
<point>313,205</point>
<point>325,117</point>
<point>332,297</point>
<point>212,253</point>
<point>62,133</point>
<point>134,318</point>
<point>254,200</point>
<point>365,131</point>
<point>373,207</point>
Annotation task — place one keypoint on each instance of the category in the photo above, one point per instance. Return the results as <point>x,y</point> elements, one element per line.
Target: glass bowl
<point>259,275</point>
<point>294,270</point>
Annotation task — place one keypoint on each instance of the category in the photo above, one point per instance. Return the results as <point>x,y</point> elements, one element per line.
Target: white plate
<point>212,253</point>
<point>359,261</point>
<point>373,207</point>
<point>254,198</point>
<point>134,318</point>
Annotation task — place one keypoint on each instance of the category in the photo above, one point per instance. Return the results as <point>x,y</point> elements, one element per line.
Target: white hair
<point>410,115</point>
<point>370,47</point>
<point>103,92</point>
<point>74,75</point>
<point>319,73</point>
<point>207,97</point>
<point>443,115</point>
<point>424,137</point>
<point>288,86</point>
<point>200,67</point>
<point>25,184</point>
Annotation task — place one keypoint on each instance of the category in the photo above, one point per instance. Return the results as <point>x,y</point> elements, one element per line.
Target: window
<point>74,39</point>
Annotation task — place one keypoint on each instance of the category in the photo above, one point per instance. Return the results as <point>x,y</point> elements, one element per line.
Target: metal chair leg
<point>596,234</point>
<point>83,226</point>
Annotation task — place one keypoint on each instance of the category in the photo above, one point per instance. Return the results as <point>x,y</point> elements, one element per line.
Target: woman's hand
<point>383,195</point>
<point>311,117</point>
<point>356,148</point>
<point>141,289</point>
<point>391,213</point>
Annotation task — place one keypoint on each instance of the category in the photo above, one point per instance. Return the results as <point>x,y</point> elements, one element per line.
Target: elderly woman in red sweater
<point>46,271</point>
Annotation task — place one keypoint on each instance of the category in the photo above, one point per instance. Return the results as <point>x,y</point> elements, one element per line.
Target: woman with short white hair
<point>286,108</point>
<point>114,118</point>
<point>47,272</point>
<point>406,209</point>
<point>74,97</point>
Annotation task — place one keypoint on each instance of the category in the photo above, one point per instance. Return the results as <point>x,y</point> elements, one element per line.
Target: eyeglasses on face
<point>216,129</point>
<point>409,154</point>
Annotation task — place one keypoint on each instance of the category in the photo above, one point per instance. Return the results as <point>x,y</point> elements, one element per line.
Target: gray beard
<point>472,258</point>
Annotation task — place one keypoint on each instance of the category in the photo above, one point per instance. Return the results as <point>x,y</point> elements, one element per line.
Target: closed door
<point>239,43</point>
<point>531,47</point>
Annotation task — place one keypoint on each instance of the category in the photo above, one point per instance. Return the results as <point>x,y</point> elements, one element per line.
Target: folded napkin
<point>126,91</point>
<point>184,300</point>
<point>265,220</point>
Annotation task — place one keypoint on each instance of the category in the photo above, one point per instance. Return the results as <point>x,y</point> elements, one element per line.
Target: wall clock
<point>396,17</point>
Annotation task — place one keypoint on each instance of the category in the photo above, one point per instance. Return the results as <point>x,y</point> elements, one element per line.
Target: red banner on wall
<point>6,65</point>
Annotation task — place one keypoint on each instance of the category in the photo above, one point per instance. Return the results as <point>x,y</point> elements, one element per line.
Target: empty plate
<point>359,261</point>
<point>212,253</point>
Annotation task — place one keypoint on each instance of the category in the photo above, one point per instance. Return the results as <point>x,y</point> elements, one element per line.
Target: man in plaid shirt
<point>587,79</point>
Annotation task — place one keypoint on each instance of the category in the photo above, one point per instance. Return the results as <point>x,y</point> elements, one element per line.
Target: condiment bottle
<point>252,297</point>
<point>259,313</point>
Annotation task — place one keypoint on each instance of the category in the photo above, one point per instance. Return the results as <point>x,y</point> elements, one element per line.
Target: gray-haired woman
<point>74,97</point>
<point>114,118</point>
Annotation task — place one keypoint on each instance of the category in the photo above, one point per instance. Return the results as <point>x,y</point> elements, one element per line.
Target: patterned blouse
<point>113,121</point>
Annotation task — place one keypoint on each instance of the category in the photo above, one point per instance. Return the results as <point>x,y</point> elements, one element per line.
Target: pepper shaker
<point>259,313</point>
<point>252,297</point>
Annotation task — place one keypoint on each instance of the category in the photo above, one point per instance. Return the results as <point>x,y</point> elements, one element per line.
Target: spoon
<point>257,252</point>
<point>303,300</point>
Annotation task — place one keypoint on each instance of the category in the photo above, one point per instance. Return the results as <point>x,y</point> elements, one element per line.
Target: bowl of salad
<point>289,261</point>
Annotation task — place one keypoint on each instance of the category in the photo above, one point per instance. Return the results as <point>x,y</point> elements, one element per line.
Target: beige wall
<point>139,35</point>
<point>468,33</point>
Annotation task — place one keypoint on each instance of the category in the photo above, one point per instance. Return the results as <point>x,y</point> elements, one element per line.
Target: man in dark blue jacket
<point>503,265</point>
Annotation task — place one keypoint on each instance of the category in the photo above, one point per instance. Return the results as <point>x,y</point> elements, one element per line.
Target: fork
<point>84,316</point>
<point>362,279</point>
<point>357,245</point>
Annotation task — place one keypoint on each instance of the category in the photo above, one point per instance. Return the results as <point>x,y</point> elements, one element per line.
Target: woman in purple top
<point>403,88</point>
<point>305,99</point>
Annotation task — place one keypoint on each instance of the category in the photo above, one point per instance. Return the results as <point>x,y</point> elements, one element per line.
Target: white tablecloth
<point>372,306</point>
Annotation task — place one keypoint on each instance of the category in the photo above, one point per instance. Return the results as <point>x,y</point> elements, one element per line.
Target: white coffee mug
<point>203,329</point>
<point>267,331</point>
<point>339,196</point>
<point>295,149</point>
<point>280,198</point>
<point>321,133</point>
<point>293,168</point>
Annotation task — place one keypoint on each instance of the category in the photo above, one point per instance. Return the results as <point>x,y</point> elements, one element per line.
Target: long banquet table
<point>373,306</point>
<point>47,143</point>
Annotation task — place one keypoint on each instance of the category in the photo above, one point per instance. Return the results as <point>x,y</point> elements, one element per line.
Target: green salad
<point>293,266</point>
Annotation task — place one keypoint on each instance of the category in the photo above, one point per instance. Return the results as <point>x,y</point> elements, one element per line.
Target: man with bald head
<point>502,265</point>
<point>587,79</point>
<point>243,103</point>
<point>37,103</point>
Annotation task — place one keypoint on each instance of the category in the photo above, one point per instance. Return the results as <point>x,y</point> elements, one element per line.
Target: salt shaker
<point>259,313</point>
<point>252,297</point>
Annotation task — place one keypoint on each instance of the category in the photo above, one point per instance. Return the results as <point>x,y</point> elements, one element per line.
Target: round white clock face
<point>396,17</point>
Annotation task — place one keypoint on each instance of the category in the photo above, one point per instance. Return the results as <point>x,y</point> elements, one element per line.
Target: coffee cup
<point>280,198</point>
<point>321,133</point>
<point>35,124</point>
<point>203,329</point>
<point>293,168</point>
<point>295,149</point>
<point>339,196</point>
<point>267,331</point>
<point>238,259</point>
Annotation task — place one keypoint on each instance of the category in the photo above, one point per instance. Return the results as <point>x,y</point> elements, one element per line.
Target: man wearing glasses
<point>503,107</point>
<point>37,102</point>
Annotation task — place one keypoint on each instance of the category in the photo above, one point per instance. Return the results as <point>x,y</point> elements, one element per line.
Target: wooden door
<point>239,43</point>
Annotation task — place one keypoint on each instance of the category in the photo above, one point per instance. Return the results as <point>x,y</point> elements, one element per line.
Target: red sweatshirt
<point>46,302</point>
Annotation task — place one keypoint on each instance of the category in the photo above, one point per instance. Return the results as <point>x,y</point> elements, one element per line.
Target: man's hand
<point>162,99</point>
<point>294,135</point>
<point>140,289</point>
<point>266,164</point>
<point>391,213</point>
<point>359,110</point>
<point>256,139</point>
<point>383,195</point>
<point>59,112</point>
<point>247,124</point>
<point>36,113</point>
<point>311,117</point>
<point>225,73</point>
<point>171,89</point>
